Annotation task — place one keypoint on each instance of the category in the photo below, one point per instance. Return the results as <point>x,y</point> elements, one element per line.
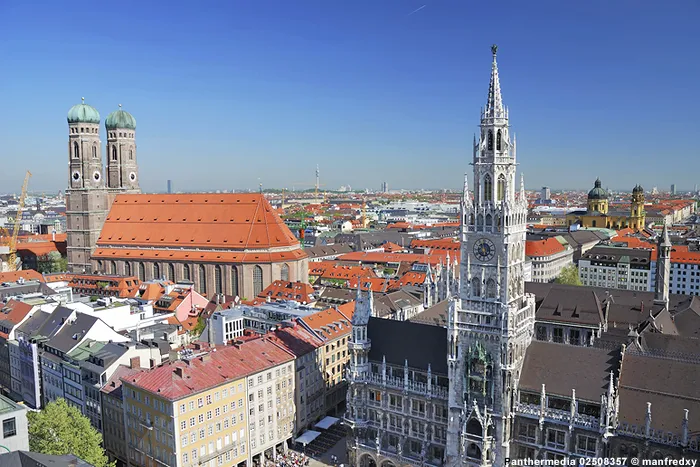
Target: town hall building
<point>539,371</point>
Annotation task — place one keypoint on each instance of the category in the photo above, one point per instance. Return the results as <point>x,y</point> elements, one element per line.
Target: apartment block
<point>214,406</point>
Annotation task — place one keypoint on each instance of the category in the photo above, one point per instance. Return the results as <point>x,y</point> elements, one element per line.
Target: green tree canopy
<point>569,275</point>
<point>61,429</point>
<point>52,262</point>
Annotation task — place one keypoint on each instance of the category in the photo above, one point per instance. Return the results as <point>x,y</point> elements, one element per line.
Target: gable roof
<point>228,222</point>
<point>549,363</point>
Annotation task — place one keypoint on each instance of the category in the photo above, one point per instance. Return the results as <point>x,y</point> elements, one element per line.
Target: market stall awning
<point>307,437</point>
<point>326,423</point>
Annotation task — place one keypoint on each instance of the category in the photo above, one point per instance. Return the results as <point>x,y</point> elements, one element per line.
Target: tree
<point>51,262</point>
<point>569,275</point>
<point>198,329</point>
<point>61,429</point>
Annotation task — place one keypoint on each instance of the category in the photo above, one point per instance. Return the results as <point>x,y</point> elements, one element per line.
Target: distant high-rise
<point>673,188</point>
<point>546,194</point>
<point>170,186</point>
<point>385,187</point>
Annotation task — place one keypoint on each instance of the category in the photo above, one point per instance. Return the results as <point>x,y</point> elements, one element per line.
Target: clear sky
<point>227,93</point>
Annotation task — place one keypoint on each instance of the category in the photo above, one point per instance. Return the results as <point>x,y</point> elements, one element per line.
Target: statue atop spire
<point>494,103</point>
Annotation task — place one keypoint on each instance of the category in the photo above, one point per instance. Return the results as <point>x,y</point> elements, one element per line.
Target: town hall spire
<point>494,103</point>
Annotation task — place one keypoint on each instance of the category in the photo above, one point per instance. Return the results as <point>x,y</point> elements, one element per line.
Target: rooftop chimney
<point>135,362</point>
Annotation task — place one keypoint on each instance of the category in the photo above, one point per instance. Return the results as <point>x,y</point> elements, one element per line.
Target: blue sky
<point>227,93</point>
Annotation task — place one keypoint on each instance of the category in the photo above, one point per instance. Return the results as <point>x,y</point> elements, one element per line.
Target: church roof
<point>598,192</point>
<point>196,227</point>
<point>120,119</point>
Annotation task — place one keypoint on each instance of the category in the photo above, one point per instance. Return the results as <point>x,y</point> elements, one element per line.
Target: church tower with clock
<point>491,322</point>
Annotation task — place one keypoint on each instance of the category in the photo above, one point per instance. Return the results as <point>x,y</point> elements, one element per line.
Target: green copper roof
<point>83,113</point>
<point>598,192</point>
<point>120,119</point>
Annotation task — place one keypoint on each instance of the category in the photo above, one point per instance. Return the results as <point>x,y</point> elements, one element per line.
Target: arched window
<point>186,272</point>
<point>490,143</point>
<point>476,287</point>
<point>257,280</point>
<point>501,187</point>
<point>234,281</point>
<point>76,150</point>
<point>284,272</point>
<point>114,153</point>
<point>127,269</point>
<point>480,221</point>
<point>142,272</point>
<point>498,140</point>
<point>491,288</point>
<point>113,268</point>
<point>156,271</point>
<point>488,188</point>
<point>202,279</point>
<point>218,285</point>
<point>489,220</point>
<point>131,155</point>
<point>94,151</point>
<point>171,272</point>
<point>474,427</point>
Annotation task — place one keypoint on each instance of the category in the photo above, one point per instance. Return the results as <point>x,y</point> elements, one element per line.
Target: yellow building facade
<point>598,213</point>
<point>226,406</point>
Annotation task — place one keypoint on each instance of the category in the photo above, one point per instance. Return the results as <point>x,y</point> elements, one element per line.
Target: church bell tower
<point>491,322</point>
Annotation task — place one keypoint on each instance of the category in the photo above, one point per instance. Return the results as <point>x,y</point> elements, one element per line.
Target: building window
<point>490,288</point>
<point>217,279</point>
<point>156,271</point>
<point>541,333</point>
<point>586,445</point>
<point>94,152</point>
<point>257,280</point>
<point>490,142</point>
<point>555,438</point>
<point>284,272</point>
<point>131,155</point>
<point>202,279</point>
<point>498,140</point>
<point>234,281</point>
<point>476,287</point>
<point>9,428</point>
<point>113,267</point>
<point>114,153</point>
<point>527,432</point>
<point>142,272</point>
<point>171,272</point>
<point>488,188</point>
<point>76,151</point>
<point>558,335</point>
<point>186,272</point>
<point>501,184</point>
<point>574,337</point>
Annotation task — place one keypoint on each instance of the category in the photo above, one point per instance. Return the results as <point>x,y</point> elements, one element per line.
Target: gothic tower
<point>637,214</point>
<point>86,202</point>
<point>122,171</point>
<point>663,269</point>
<point>490,324</point>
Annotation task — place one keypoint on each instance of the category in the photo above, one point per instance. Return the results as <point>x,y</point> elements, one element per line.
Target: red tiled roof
<point>450,244</point>
<point>285,290</point>
<point>125,286</point>
<point>434,257</point>
<point>321,321</point>
<point>390,247</point>
<point>296,339</point>
<point>333,270</point>
<point>194,222</point>
<point>546,247</point>
<point>26,274</point>
<point>178,379</point>
<point>375,284</point>
<point>14,312</point>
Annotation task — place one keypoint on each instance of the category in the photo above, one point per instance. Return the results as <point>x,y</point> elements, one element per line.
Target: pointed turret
<point>522,188</point>
<point>494,103</point>
<point>663,268</point>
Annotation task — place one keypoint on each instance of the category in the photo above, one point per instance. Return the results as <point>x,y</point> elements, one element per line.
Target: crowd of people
<point>291,459</point>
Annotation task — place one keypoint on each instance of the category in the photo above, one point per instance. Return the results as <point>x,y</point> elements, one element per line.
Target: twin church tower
<point>89,197</point>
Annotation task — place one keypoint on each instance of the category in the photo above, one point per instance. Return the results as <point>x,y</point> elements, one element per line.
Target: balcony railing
<point>560,416</point>
<point>399,383</point>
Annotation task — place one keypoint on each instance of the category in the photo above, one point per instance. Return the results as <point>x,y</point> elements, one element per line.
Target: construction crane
<point>12,262</point>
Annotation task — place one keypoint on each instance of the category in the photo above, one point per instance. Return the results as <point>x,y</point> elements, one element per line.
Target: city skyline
<point>354,86</point>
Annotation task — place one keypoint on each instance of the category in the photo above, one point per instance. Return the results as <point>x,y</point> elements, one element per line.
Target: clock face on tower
<point>484,249</point>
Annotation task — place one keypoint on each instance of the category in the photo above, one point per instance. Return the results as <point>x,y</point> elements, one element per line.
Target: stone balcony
<point>359,345</point>
<point>420,389</point>
<point>562,417</point>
